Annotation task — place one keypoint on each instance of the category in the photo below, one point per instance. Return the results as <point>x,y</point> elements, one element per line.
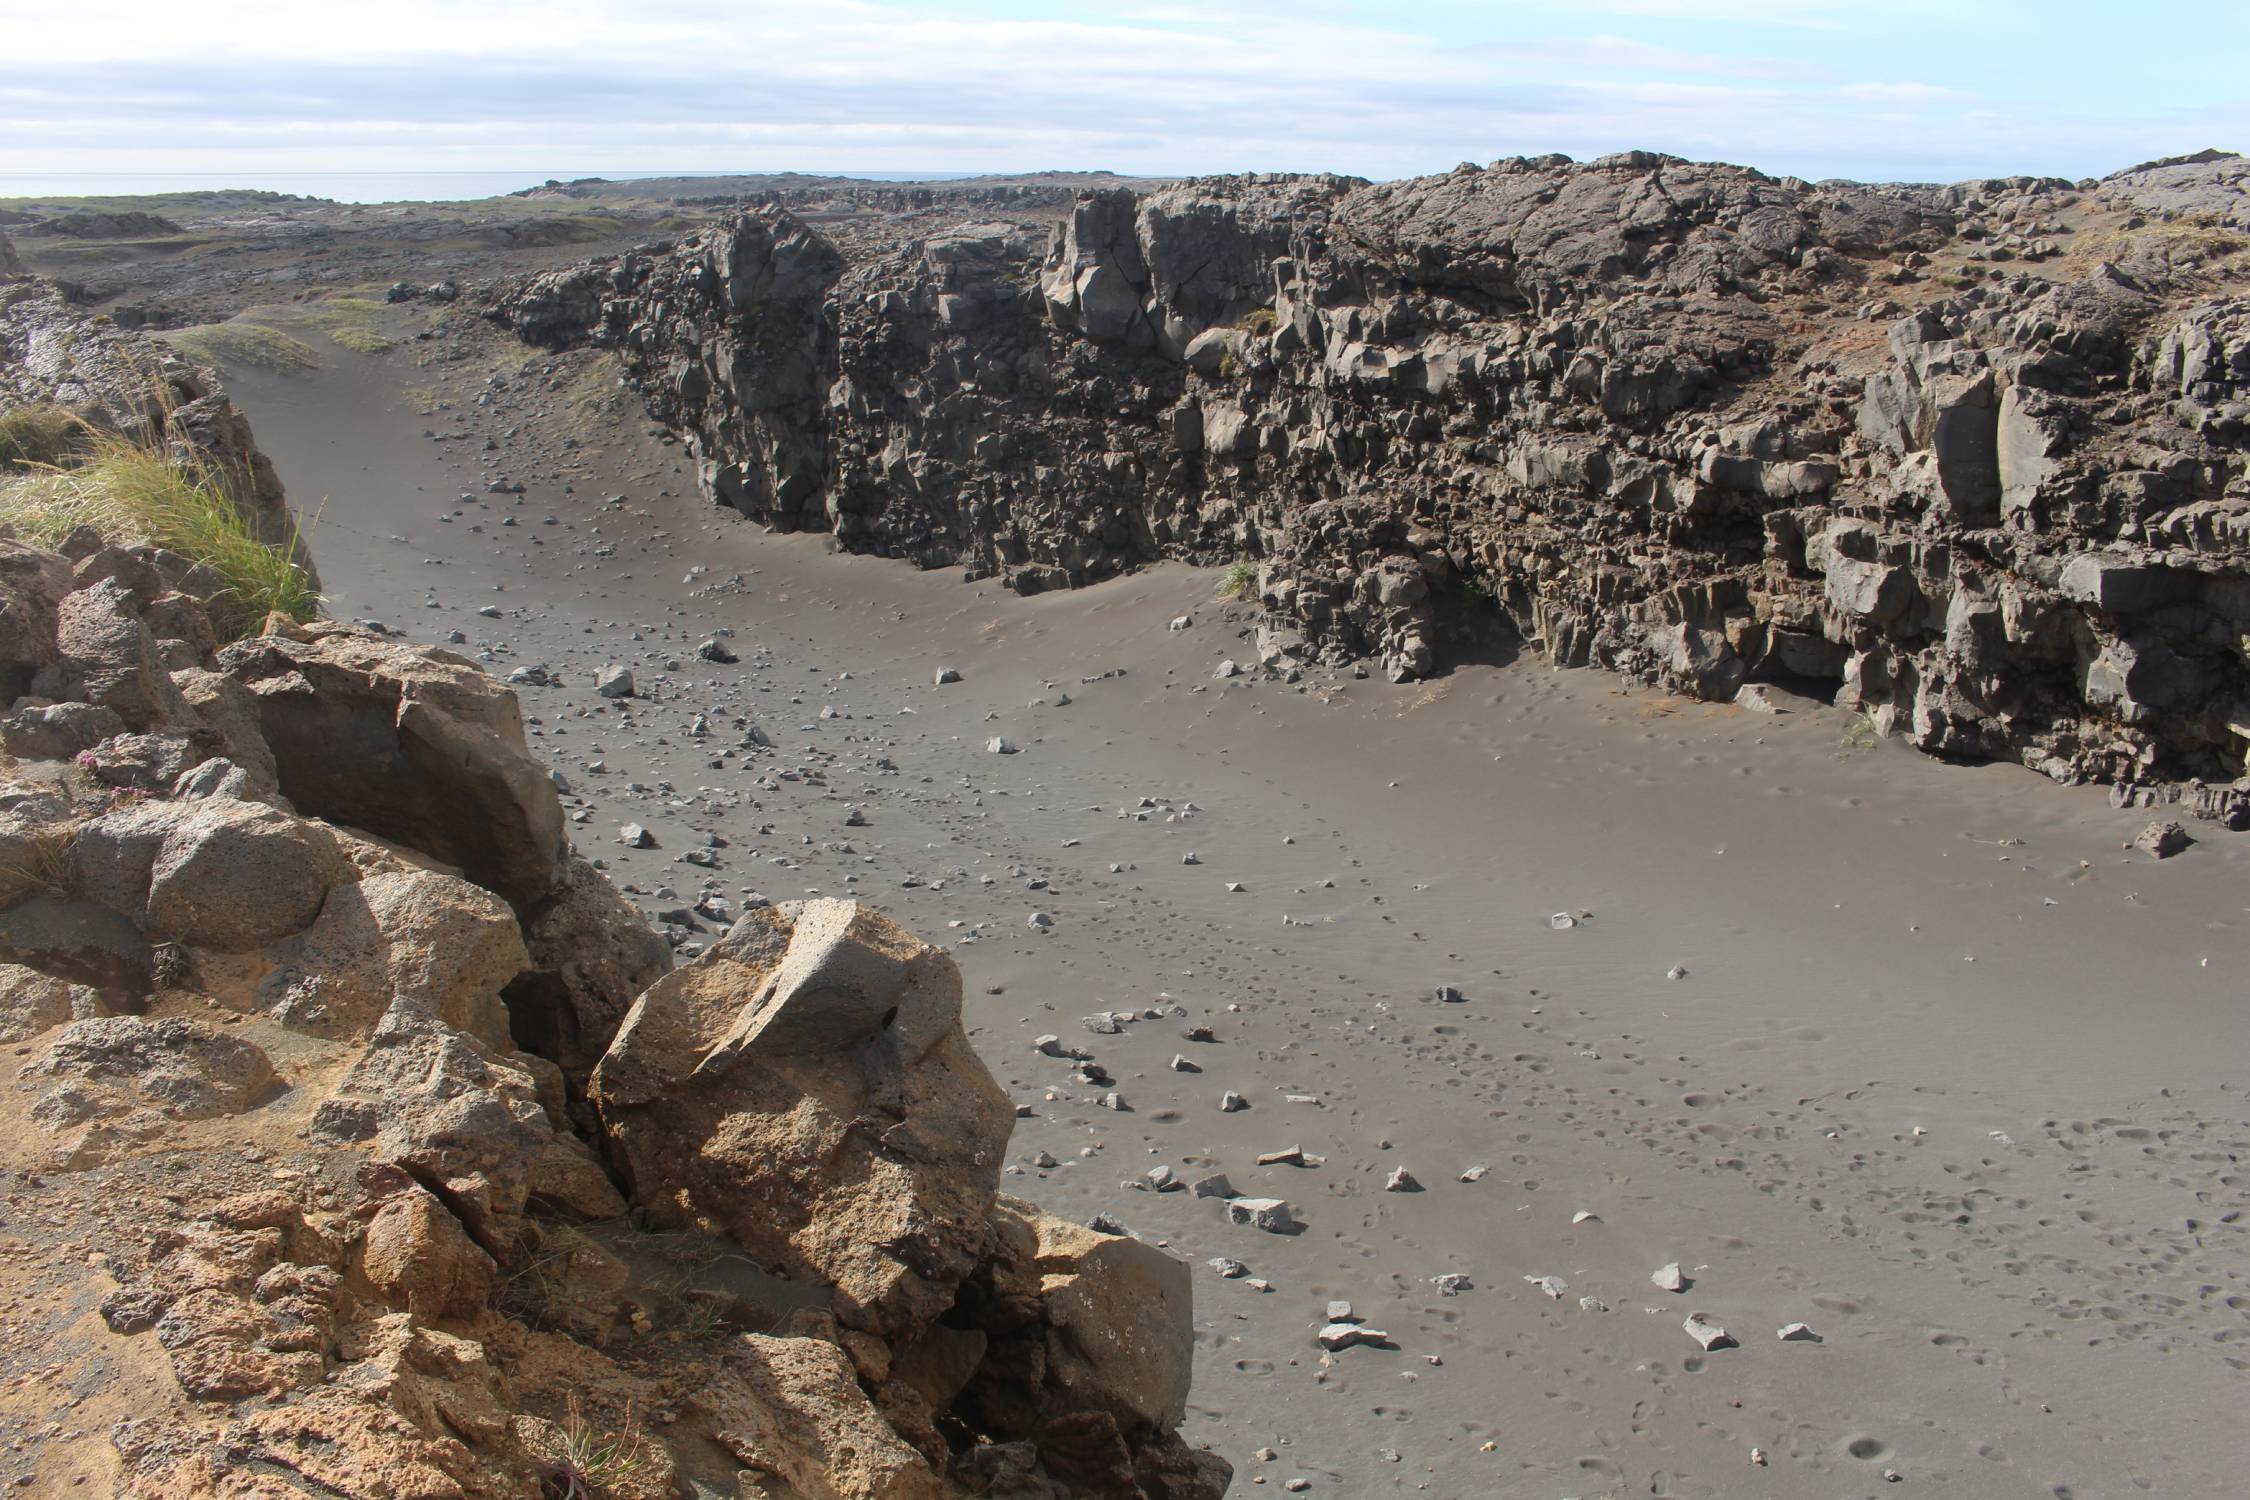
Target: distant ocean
<point>353,187</point>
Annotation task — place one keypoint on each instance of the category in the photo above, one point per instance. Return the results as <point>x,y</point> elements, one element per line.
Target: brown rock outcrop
<point>804,1088</point>
<point>324,1022</point>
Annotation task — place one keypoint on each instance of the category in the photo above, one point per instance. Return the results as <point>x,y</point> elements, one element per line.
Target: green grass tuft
<point>1240,581</point>
<point>131,490</point>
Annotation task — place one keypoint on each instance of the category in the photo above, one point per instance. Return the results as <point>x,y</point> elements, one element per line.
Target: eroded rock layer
<point>1969,458</point>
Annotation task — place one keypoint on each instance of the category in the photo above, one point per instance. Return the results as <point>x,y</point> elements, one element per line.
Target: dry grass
<point>593,1460</point>
<point>47,860</point>
<point>39,437</point>
<point>131,489</point>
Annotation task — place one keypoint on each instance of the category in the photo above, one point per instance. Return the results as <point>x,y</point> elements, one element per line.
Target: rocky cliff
<point>1969,458</point>
<point>358,1137</point>
<point>51,354</point>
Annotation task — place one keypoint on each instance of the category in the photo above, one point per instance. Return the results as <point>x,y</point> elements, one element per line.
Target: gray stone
<point>1269,1214</point>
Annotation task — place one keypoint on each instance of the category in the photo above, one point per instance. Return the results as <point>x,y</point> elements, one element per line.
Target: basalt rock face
<point>1969,458</point>
<point>372,1124</point>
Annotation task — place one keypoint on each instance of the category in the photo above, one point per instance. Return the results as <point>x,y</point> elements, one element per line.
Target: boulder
<point>32,1002</point>
<point>215,873</point>
<point>1122,1315</point>
<point>232,876</point>
<point>107,656</point>
<point>793,1408</point>
<point>1090,1343</point>
<point>33,583</point>
<point>805,1088</point>
<point>470,1122</point>
<point>431,938</point>
<point>419,1258</point>
<point>415,744</point>
<point>182,1069</point>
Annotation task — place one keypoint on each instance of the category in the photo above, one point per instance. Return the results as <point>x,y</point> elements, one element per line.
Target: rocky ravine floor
<point>1921,1056</point>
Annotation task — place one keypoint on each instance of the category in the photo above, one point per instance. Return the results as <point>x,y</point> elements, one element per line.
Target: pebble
<point>1344,1335</point>
<point>1668,1278</point>
<point>1707,1333</point>
<point>1270,1214</point>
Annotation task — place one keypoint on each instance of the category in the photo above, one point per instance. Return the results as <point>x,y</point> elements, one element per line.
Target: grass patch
<point>361,340</point>
<point>132,490</point>
<point>39,437</point>
<point>1858,739</point>
<point>1240,582</point>
<point>419,399</point>
<point>592,1459</point>
<point>1258,320</point>
<point>47,860</point>
<point>352,322</point>
<point>240,343</point>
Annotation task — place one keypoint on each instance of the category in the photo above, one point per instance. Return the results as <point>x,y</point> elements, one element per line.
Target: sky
<point>242,91</point>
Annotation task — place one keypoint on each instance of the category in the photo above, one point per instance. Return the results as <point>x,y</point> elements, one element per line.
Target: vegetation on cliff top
<point>57,473</point>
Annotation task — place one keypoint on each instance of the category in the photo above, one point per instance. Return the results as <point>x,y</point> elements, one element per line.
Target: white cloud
<point>848,84</point>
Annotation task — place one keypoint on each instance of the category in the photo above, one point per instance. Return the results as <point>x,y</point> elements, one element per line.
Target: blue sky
<point>1921,89</point>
